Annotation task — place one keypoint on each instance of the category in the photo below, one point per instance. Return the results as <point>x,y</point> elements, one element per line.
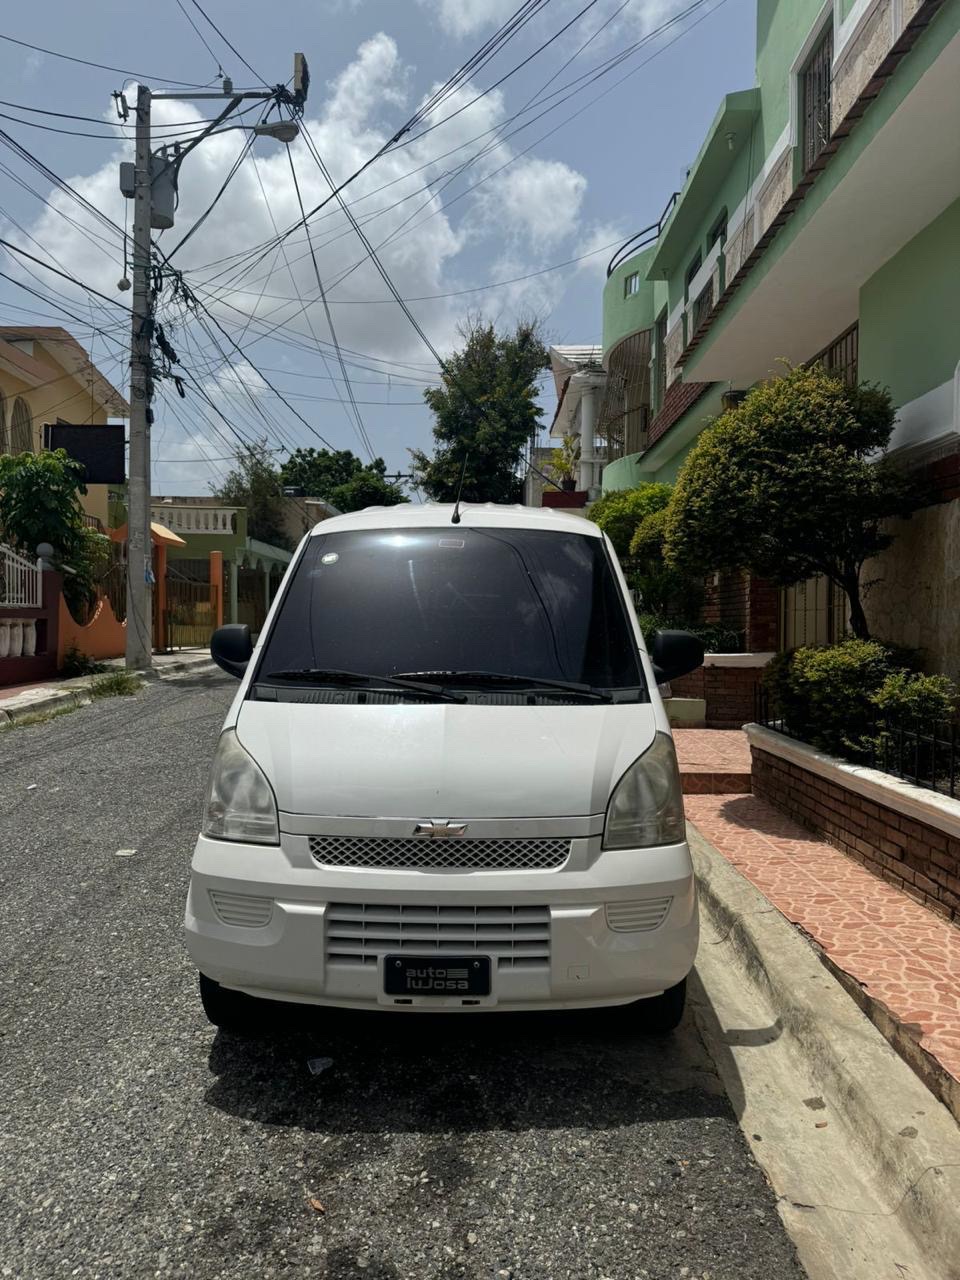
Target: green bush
<point>906,694</point>
<point>826,696</point>
<point>714,638</point>
<point>842,698</point>
<point>76,663</point>
<point>620,513</point>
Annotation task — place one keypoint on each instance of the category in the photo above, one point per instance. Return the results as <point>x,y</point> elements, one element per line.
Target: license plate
<point>436,975</point>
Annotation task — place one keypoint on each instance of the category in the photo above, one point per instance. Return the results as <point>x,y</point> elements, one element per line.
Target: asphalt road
<point>136,1141</point>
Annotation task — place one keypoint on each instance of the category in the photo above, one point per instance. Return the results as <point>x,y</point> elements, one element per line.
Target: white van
<point>447,780</point>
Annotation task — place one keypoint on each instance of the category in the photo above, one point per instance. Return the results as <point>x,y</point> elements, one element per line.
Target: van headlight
<point>240,804</point>
<point>646,807</point>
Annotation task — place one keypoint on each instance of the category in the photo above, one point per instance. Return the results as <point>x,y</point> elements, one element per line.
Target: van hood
<point>444,760</point>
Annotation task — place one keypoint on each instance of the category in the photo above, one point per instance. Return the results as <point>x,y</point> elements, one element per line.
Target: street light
<point>282,130</point>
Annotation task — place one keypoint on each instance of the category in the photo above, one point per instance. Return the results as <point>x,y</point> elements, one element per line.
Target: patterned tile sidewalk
<point>713,761</point>
<point>903,955</point>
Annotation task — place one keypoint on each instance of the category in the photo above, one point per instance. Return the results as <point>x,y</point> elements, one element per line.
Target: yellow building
<point>47,377</point>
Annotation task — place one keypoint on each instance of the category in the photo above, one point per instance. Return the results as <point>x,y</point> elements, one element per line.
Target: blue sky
<point>538,200</point>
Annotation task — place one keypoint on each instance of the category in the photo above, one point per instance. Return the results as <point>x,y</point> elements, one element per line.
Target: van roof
<point>484,515</point>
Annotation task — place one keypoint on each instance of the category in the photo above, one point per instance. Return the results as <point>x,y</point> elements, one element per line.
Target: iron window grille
<point>703,305</point>
<point>816,89</point>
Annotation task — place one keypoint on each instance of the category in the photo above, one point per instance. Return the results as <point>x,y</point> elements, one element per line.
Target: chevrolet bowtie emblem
<point>439,829</point>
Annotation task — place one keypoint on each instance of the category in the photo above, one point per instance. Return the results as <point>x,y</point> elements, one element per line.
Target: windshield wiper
<point>324,675</point>
<point>509,678</point>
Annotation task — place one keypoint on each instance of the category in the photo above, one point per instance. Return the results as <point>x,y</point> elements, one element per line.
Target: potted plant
<point>565,464</point>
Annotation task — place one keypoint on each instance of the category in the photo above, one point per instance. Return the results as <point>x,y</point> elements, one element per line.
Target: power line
<point>233,49</point>
<point>361,429</point>
<point>201,37</point>
<point>100,66</point>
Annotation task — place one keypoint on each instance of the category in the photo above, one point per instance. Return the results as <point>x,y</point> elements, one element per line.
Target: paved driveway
<point>138,1142</point>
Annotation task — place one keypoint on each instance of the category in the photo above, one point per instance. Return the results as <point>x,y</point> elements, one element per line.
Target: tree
<point>485,414</point>
<point>619,513</point>
<point>40,502</point>
<point>790,485</point>
<point>255,483</point>
<point>339,477</point>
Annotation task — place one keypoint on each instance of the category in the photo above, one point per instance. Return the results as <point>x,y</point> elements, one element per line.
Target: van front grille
<point>516,937</point>
<point>408,853</point>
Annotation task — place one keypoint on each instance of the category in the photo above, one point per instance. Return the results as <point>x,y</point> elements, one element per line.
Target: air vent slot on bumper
<point>637,917</point>
<point>242,910</point>
<point>516,937</point>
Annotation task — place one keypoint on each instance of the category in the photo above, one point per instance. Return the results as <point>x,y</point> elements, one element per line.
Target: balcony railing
<point>640,241</point>
<point>206,520</point>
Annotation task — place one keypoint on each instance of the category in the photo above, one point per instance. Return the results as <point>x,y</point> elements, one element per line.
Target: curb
<point>55,698</point>
<point>814,1010</point>
<point>78,694</point>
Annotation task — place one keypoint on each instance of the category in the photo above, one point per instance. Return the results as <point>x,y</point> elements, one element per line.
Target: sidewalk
<point>45,695</point>
<point>899,961</point>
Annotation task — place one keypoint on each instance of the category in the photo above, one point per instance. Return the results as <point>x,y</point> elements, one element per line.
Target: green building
<point>819,221</point>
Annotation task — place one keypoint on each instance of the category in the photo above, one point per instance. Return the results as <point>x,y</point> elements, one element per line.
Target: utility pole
<point>139,544</point>
<point>141,185</point>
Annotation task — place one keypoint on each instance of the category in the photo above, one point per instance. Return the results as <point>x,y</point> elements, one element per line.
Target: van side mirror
<point>231,648</point>
<point>674,654</point>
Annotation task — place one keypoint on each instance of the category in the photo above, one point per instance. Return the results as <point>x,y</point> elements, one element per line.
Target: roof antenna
<point>455,518</point>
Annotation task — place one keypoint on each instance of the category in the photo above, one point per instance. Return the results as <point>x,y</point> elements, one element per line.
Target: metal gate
<point>191,613</point>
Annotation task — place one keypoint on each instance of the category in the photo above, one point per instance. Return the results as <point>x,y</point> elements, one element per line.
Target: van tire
<point>663,1013</point>
<point>230,1010</point>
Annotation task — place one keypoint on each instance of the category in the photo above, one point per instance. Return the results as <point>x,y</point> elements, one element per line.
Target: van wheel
<point>230,1010</point>
<point>663,1013</point>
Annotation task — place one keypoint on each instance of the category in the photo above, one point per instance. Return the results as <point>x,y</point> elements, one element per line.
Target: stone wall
<point>912,593</point>
<point>776,191</point>
<point>864,55</point>
<point>672,349</point>
<point>920,859</point>
<point>737,249</point>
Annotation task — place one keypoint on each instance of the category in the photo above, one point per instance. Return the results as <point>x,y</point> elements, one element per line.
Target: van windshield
<point>448,599</point>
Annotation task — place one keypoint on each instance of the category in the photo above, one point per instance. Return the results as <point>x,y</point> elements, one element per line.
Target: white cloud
<point>461,18</point>
<point>536,201</point>
<point>464,17</point>
<point>522,217</point>
<point>600,242</point>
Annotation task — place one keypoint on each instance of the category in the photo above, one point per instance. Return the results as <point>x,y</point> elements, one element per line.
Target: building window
<point>660,363</point>
<point>812,613</point>
<point>841,357</point>
<point>815,95</point>
<point>718,232</point>
<point>21,428</point>
<point>631,284</point>
<point>692,270</point>
<point>4,444</point>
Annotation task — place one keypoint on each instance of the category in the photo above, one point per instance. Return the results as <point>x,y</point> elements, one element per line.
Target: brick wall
<point>921,860</point>
<point>728,692</point>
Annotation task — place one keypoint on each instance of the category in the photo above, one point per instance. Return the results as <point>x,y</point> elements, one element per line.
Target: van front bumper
<point>263,921</point>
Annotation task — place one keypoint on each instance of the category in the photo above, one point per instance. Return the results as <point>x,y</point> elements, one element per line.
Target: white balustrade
<point>189,519</point>
<point>21,580</point>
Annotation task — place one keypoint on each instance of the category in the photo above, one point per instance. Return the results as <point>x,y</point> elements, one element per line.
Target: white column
<point>588,431</point>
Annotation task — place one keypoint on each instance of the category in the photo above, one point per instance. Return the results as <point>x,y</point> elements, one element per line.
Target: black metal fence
<point>923,752</point>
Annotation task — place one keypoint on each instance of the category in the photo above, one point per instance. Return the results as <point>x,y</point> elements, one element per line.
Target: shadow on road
<point>396,1073</point>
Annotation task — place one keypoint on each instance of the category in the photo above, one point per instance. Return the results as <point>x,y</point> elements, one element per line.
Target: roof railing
<point>640,241</point>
